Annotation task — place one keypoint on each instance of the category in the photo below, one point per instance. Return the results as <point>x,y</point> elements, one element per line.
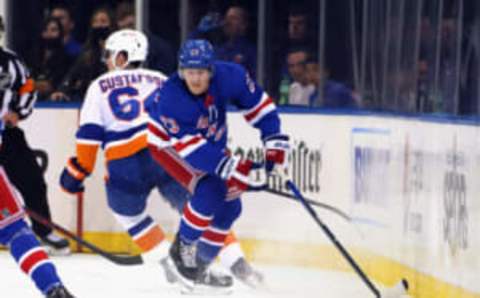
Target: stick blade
<point>125,260</point>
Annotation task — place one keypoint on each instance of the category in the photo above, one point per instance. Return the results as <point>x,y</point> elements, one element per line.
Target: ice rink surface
<point>89,276</point>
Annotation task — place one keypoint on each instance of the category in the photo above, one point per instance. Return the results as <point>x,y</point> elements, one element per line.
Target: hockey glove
<point>241,175</point>
<point>277,148</point>
<point>72,176</point>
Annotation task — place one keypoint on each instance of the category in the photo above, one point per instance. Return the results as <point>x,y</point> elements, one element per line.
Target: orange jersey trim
<point>87,155</point>
<point>126,149</point>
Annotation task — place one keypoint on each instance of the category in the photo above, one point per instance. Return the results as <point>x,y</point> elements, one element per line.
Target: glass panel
<point>469,102</point>
<point>335,79</point>
<point>293,39</point>
<point>386,42</point>
<point>163,31</point>
<point>401,55</point>
<point>230,26</point>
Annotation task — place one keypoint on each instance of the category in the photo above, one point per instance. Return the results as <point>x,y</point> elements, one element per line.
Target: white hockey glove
<point>241,175</point>
<point>277,149</point>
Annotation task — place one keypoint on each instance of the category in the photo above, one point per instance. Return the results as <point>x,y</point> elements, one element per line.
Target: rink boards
<point>410,185</point>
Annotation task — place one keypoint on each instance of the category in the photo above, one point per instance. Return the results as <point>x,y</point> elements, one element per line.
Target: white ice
<point>90,276</point>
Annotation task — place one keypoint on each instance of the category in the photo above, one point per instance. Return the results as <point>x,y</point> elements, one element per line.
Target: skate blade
<point>57,252</point>
<point>170,276</point>
<point>253,284</point>
<point>201,290</point>
<point>171,269</point>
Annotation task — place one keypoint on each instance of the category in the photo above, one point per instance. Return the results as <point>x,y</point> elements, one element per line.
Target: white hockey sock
<point>157,253</point>
<point>230,254</point>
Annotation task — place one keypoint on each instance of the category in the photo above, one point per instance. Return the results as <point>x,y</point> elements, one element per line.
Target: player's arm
<point>89,137</point>
<point>161,144</point>
<point>260,111</point>
<point>187,155</point>
<point>24,95</point>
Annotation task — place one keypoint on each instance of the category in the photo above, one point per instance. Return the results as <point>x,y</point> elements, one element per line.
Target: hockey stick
<point>311,202</point>
<point>400,289</point>
<point>119,260</point>
<point>79,219</point>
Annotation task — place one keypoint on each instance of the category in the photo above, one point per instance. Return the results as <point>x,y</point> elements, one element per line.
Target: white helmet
<point>134,43</point>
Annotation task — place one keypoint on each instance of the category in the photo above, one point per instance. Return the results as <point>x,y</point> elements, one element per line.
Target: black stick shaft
<point>311,202</point>
<point>119,260</point>
<point>334,240</point>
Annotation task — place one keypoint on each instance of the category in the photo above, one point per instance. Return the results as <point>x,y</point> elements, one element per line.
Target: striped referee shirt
<point>17,88</point>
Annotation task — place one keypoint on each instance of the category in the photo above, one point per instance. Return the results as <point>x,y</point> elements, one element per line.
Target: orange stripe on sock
<point>231,238</point>
<point>151,239</point>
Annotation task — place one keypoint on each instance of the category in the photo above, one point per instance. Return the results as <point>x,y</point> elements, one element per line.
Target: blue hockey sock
<point>208,197</point>
<point>210,244</point>
<point>31,257</point>
<point>213,239</point>
<point>147,234</point>
<point>193,223</point>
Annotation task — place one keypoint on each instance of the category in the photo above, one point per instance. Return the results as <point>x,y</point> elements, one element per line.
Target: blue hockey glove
<point>210,21</point>
<point>72,176</point>
<point>277,148</point>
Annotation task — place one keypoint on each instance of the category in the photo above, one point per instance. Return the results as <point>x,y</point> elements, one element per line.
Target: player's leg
<point>213,238</point>
<point>231,255</point>
<point>128,188</point>
<point>197,215</point>
<point>26,175</point>
<point>23,245</point>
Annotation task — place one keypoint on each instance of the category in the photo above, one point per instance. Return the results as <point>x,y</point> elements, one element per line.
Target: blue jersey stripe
<point>111,136</point>
<point>133,231</point>
<point>91,132</point>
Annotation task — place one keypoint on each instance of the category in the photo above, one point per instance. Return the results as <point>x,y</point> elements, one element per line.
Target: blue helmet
<point>196,53</point>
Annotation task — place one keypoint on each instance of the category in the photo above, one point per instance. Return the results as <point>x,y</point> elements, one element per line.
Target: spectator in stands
<point>334,94</point>
<point>64,14</point>
<point>300,89</point>
<point>89,64</point>
<point>49,60</point>
<point>161,55</point>
<point>235,46</point>
<point>298,36</point>
<point>299,33</point>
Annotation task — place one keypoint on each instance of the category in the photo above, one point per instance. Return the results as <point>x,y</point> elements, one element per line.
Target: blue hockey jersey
<point>196,125</point>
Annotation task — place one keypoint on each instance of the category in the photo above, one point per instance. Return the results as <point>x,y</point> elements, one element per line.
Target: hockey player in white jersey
<point>113,117</point>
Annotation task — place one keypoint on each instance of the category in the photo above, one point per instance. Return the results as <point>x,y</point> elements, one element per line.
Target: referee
<point>18,159</point>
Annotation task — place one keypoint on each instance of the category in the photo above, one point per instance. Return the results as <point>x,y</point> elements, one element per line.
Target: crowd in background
<point>64,60</point>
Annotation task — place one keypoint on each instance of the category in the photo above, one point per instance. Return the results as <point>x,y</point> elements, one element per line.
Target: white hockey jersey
<point>113,114</point>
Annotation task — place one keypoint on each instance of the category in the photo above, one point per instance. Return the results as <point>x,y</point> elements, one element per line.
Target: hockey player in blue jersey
<point>113,117</point>
<point>188,137</point>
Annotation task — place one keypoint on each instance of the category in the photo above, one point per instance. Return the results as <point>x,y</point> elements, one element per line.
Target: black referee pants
<point>25,173</point>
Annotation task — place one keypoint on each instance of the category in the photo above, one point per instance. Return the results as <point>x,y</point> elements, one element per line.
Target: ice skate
<point>59,292</point>
<point>244,272</point>
<point>194,276</point>
<point>55,245</point>
<point>170,275</point>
